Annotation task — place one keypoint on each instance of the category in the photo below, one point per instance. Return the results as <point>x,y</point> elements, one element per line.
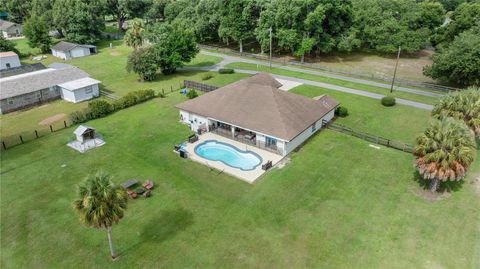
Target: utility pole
<point>270,30</point>
<point>395,71</point>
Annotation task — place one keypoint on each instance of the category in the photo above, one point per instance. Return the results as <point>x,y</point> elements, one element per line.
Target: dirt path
<point>53,119</point>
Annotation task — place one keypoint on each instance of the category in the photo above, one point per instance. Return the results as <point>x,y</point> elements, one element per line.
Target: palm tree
<point>461,105</point>
<point>444,152</point>
<point>133,37</point>
<point>100,204</point>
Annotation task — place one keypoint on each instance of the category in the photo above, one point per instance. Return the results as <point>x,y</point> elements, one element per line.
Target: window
<point>314,127</point>
<point>89,90</point>
<point>11,101</point>
<point>8,65</point>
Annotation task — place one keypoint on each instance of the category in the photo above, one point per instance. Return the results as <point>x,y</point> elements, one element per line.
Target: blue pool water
<point>228,154</point>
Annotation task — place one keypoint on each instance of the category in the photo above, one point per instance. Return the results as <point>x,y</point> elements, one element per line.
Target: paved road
<point>231,59</point>
<point>323,85</point>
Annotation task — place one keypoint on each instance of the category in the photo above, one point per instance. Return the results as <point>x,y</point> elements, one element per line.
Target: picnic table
<point>127,184</point>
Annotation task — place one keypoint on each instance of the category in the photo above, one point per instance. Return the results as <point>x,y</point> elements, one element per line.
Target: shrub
<point>388,101</point>
<point>207,76</point>
<point>100,108</point>
<point>226,71</point>
<point>80,116</point>
<point>133,98</point>
<point>192,94</point>
<point>341,111</point>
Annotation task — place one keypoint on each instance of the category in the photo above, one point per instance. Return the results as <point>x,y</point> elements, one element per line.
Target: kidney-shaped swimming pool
<point>229,155</point>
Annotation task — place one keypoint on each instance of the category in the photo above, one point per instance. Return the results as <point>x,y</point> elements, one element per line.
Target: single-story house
<point>10,29</point>
<point>9,60</point>
<point>67,50</point>
<point>255,111</point>
<point>57,81</point>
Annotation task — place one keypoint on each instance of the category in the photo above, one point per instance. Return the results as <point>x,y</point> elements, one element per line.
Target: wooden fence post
<point>65,124</point>
<point>4,146</point>
<point>171,88</point>
<point>21,138</point>
<point>51,129</point>
<point>36,133</point>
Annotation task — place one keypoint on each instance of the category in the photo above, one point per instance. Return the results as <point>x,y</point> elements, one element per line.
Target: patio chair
<point>132,194</point>
<point>147,194</point>
<point>148,185</point>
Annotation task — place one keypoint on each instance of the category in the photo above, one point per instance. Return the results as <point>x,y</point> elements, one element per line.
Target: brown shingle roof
<point>257,104</point>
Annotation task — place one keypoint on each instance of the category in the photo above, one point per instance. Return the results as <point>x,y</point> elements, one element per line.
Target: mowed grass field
<point>337,203</point>
<point>108,66</point>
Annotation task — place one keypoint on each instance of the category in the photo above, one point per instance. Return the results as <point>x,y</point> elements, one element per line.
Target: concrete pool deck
<point>248,176</point>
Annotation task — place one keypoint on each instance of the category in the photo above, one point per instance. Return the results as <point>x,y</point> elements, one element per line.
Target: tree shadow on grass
<point>162,227</point>
<point>445,186</point>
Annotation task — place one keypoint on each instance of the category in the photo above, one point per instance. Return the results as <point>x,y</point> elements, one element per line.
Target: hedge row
<point>226,71</point>
<point>101,108</point>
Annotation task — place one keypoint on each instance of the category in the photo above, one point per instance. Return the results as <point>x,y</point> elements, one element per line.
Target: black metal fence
<point>341,71</point>
<point>369,137</point>
<point>199,86</point>
<point>25,136</point>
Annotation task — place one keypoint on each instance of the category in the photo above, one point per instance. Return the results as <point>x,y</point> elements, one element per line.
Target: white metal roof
<point>82,129</point>
<point>79,83</point>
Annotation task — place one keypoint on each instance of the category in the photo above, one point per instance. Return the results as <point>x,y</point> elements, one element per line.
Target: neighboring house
<point>10,29</point>
<point>258,111</point>
<point>67,50</point>
<point>9,60</point>
<point>57,81</point>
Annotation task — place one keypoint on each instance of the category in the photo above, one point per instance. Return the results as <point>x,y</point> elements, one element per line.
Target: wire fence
<point>341,71</point>
<point>369,137</point>
<point>25,136</point>
<point>198,86</point>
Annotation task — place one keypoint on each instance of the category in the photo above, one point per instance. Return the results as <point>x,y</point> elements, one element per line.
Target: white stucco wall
<point>81,94</point>
<point>194,121</point>
<point>12,60</point>
<point>298,140</point>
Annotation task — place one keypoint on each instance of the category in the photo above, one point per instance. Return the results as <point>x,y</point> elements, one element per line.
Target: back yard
<point>337,203</point>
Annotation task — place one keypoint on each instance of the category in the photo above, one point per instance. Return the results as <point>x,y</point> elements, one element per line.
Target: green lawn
<point>107,66</point>
<point>399,122</point>
<point>339,82</point>
<point>338,203</point>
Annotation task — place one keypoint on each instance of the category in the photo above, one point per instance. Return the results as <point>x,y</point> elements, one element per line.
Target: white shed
<point>67,50</point>
<point>79,90</point>
<point>8,60</point>
<point>84,133</point>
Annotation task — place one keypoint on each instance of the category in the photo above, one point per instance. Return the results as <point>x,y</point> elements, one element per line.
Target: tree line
<point>297,27</point>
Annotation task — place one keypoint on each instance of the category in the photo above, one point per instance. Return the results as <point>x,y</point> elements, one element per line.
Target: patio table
<point>127,184</point>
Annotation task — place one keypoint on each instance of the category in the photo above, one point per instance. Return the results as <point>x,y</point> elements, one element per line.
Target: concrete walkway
<point>231,59</point>
<point>323,85</point>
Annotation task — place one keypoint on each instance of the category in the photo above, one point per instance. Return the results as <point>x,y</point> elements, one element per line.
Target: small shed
<point>84,133</point>
<point>67,50</point>
<point>9,59</point>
